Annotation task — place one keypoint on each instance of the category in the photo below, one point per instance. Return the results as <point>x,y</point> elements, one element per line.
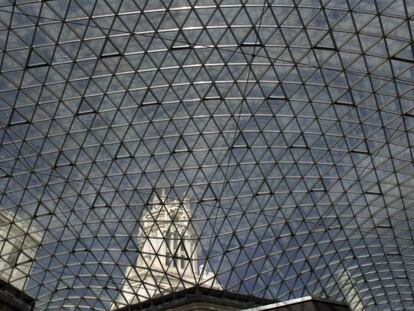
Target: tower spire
<point>163,196</point>
<point>167,257</point>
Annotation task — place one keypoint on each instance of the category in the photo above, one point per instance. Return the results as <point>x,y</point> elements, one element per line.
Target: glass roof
<point>283,130</point>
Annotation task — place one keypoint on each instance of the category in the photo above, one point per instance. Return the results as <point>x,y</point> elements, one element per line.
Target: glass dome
<point>282,130</point>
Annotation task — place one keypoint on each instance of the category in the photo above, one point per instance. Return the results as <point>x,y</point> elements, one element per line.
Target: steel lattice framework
<point>286,124</point>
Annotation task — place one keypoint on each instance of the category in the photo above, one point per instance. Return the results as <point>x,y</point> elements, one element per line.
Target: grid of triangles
<point>289,126</point>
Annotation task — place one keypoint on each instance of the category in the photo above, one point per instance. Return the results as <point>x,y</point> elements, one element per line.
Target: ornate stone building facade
<point>167,258</point>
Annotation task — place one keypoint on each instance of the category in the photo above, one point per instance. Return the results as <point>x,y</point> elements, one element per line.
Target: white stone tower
<point>167,258</point>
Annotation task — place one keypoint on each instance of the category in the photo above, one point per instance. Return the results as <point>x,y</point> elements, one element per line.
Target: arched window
<point>182,254</point>
<point>176,252</point>
<point>169,251</point>
<point>172,243</point>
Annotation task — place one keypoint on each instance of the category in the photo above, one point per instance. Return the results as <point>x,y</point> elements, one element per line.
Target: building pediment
<point>201,299</point>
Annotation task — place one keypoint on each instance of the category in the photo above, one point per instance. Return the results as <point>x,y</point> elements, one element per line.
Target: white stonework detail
<point>350,292</point>
<point>167,258</point>
<point>19,242</point>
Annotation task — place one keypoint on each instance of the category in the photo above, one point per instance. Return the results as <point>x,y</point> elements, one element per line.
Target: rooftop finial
<point>163,196</point>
